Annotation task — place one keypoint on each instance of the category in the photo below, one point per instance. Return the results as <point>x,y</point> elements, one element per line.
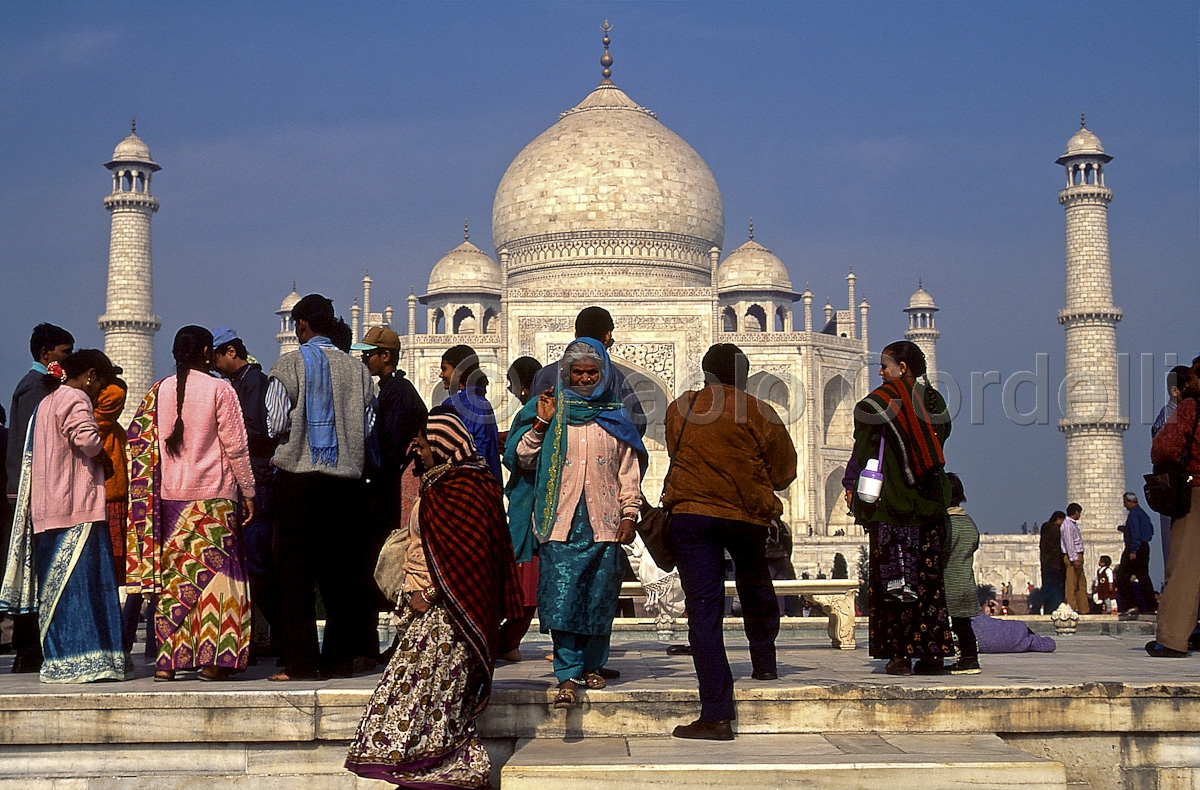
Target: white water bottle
<point>870,482</point>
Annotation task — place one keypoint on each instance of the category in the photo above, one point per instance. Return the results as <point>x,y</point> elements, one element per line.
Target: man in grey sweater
<point>319,406</point>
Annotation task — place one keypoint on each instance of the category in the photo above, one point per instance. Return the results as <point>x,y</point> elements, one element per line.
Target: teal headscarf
<point>533,493</point>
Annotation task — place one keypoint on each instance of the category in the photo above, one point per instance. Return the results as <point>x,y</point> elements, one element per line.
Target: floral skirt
<point>917,629</point>
<point>418,730</point>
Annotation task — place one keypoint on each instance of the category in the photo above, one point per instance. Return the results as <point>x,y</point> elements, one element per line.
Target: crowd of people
<point>233,490</point>
<point>1127,588</point>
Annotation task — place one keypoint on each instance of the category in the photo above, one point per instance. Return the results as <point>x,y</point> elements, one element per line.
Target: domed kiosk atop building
<point>609,207</point>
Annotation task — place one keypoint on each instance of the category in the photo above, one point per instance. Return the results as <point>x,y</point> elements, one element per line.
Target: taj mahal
<point>609,207</point>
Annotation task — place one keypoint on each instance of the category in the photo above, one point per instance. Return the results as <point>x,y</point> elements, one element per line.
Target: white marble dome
<point>920,299</point>
<point>132,149</point>
<point>609,175</point>
<point>752,267</point>
<point>289,301</point>
<point>1083,143</point>
<point>465,269</point>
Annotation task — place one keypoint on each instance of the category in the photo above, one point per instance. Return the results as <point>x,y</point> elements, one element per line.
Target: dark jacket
<point>1050,545</point>
<point>250,384</point>
<point>29,393</point>
<point>729,465</point>
<point>1138,529</point>
<point>400,416</point>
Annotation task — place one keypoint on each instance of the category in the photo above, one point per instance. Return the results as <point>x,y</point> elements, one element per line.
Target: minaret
<point>286,338</point>
<point>922,327</point>
<point>1093,422</point>
<point>863,307</point>
<point>808,297</point>
<point>129,323</point>
<point>850,280</point>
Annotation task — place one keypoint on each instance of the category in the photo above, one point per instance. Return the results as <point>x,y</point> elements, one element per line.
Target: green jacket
<point>899,503</point>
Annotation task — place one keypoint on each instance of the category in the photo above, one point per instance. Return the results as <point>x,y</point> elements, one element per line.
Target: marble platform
<point>1099,707</point>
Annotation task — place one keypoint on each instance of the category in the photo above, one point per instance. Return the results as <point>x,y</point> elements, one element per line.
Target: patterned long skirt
<point>418,730</point>
<point>918,629</point>
<point>204,613</point>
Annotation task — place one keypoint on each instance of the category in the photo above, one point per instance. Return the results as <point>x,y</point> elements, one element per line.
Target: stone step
<point>895,761</point>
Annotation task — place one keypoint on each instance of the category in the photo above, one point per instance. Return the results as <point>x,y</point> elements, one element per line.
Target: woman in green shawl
<point>582,461</point>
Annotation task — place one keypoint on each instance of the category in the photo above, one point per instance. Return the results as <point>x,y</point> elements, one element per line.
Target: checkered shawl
<point>470,556</point>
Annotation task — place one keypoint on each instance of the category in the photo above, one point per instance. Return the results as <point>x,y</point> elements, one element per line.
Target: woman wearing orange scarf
<point>116,488</point>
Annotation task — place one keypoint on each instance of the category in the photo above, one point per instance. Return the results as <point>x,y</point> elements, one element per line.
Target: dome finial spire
<point>920,284</point>
<point>133,124</point>
<point>466,230</point>
<point>606,59</point>
<point>752,229</point>
<point>1082,120</point>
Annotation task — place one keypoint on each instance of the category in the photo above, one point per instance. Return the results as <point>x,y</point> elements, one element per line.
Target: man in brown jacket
<point>730,454</point>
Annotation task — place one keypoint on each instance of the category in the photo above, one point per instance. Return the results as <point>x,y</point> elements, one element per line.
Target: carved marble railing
<point>835,597</point>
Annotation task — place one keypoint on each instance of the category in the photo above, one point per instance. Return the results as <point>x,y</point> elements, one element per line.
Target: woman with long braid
<point>184,515</point>
<point>904,422</point>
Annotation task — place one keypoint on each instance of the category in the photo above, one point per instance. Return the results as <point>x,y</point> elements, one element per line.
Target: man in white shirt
<point>1071,542</point>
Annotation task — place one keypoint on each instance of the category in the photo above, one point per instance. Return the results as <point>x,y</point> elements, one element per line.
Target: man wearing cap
<point>400,412</point>
<point>231,360</point>
<point>399,415</point>
<point>320,407</point>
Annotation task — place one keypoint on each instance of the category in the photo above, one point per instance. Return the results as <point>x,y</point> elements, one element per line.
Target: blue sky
<point>312,141</point>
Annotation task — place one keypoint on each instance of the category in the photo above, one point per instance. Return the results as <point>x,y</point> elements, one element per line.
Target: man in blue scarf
<point>319,406</point>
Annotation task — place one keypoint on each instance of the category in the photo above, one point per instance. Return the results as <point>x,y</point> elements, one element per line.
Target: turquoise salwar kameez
<point>578,590</point>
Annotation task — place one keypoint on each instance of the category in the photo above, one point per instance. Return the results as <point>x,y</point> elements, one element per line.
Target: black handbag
<point>1168,489</point>
<point>655,524</point>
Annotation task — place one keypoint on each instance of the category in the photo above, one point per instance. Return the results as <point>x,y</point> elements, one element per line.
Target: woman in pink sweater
<point>60,555</point>
<point>189,461</point>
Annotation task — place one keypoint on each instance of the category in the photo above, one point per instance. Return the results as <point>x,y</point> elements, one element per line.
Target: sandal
<point>595,681</point>
<point>164,675</point>
<point>564,699</point>
<point>213,674</point>
<point>899,666</point>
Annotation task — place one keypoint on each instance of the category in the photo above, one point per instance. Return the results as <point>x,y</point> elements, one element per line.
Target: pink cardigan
<point>599,466</point>
<point>67,485</point>
<point>214,461</point>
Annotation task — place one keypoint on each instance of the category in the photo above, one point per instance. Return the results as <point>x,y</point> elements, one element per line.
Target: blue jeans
<point>700,543</point>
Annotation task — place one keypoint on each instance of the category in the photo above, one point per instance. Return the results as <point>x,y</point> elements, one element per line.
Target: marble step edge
<point>314,699</point>
<point>927,776</point>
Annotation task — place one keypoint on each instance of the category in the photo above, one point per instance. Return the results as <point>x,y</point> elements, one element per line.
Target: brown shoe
<point>705,731</point>
<point>899,666</point>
